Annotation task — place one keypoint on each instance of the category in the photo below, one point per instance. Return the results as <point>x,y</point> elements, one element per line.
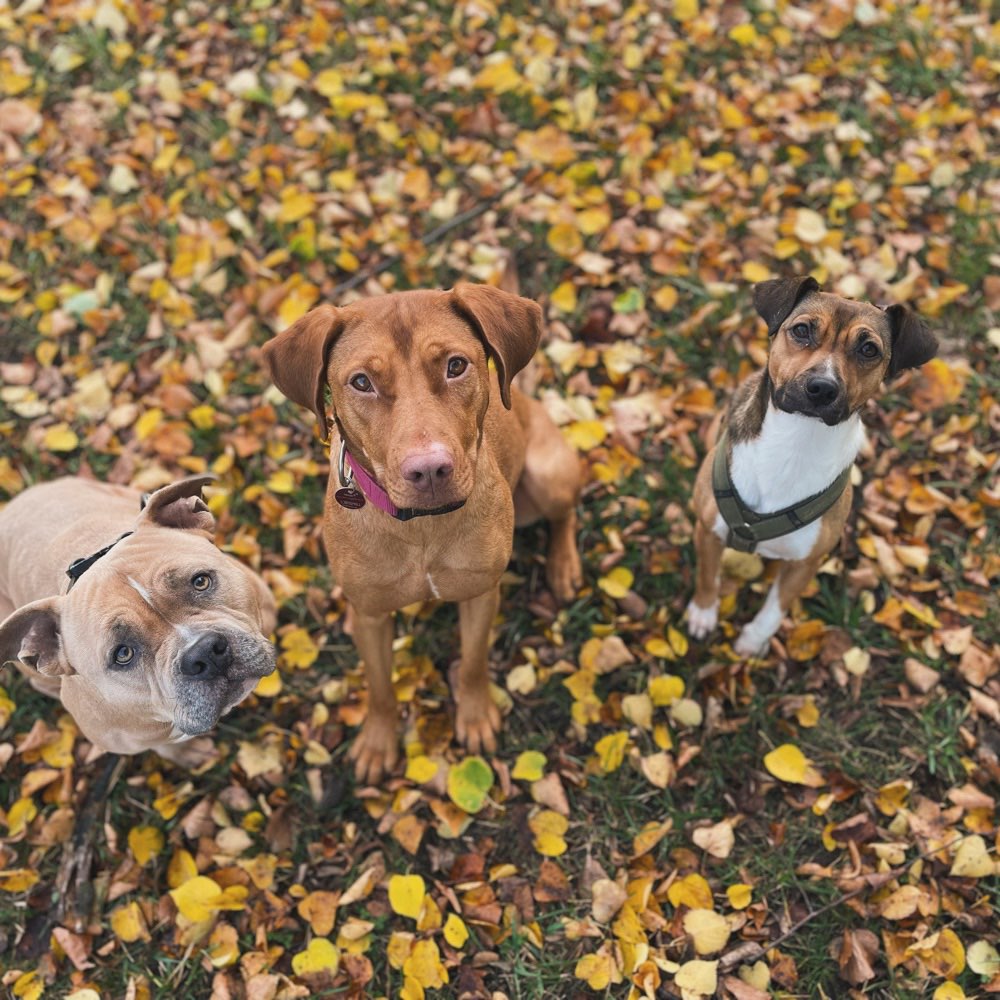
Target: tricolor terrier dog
<point>129,614</point>
<point>435,458</point>
<point>777,480</point>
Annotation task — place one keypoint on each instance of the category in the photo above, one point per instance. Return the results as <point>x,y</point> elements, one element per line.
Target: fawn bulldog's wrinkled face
<point>163,629</point>
<point>409,380</point>
<point>828,354</point>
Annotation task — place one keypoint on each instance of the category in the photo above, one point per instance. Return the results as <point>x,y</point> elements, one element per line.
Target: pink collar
<point>359,487</point>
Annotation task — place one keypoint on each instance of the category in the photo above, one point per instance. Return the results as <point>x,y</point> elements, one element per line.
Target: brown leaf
<point>858,949</point>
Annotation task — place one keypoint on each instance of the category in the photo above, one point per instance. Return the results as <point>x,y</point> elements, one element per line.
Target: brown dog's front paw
<point>375,750</point>
<point>564,572</point>
<point>477,722</point>
<point>195,755</point>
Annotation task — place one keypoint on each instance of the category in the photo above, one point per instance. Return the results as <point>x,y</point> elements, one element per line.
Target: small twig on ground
<point>750,950</point>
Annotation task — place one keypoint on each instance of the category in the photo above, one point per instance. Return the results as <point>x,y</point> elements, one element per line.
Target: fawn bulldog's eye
<point>362,383</point>
<point>122,656</point>
<point>202,581</point>
<point>456,366</point>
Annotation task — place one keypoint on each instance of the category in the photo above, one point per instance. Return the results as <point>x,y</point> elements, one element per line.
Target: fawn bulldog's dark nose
<point>210,656</point>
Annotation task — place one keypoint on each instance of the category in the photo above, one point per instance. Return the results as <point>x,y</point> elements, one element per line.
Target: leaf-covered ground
<point>180,181</point>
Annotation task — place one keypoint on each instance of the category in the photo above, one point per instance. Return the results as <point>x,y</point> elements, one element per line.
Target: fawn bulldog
<point>129,613</point>
<point>435,457</point>
<point>777,479</point>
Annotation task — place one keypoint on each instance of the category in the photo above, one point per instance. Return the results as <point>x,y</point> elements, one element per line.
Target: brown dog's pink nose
<point>426,470</point>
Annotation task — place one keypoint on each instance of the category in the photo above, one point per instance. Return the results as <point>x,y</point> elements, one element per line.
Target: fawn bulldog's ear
<point>297,358</point>
<point>509,326</point>
<point>32,636</point>
<point>912,343</point>
<point>179,505</point>
<point>775,299</point>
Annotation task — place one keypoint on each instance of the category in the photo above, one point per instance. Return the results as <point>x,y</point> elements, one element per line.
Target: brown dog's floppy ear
<point>775,299</point>
<point>912,343</point>
<point>31,635</point>
<point>509,325</point>
<point>296,358</point>
<point>180,505</point>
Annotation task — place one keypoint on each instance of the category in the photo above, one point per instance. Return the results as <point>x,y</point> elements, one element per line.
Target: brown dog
<point>129,613</point>
<point>777,481</point>
<point>438,458</point>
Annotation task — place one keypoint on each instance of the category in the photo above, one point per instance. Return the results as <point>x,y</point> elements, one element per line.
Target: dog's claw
<point>701,620</point>
<point>375,751</point>
<point>477,723</point>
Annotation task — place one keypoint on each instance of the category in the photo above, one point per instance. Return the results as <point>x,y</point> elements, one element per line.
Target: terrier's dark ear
<point>296,358</point>
<point>509,326</point>
<point>180,505</point>
<point>31,635</point>
<point>775,299</point>
<point>912,343</point>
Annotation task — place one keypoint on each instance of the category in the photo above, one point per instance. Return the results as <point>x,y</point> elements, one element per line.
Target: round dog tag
<point>350,498</point>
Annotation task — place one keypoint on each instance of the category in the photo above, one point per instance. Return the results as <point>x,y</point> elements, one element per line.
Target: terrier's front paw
<point>375,750</point>
<point>751,644</point>
<point>477,721</point>
<point>701,620</point>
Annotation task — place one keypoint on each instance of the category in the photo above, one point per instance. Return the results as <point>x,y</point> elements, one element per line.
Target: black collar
<point>78,567</point>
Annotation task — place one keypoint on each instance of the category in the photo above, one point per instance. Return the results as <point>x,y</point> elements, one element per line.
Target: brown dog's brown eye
<point>869,349</point>
<point>801,332</point>
<point>362,383</point>
<point>456,366</point>
<point>201,581</point>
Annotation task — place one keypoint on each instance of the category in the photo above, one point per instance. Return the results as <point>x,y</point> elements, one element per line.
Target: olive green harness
<point>747,528</point>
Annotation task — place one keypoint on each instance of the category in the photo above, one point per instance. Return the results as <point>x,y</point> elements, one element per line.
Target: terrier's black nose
<point>209,657</point>
<point>822,390</point>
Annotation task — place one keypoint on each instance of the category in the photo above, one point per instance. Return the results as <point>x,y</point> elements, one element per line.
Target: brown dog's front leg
<point>376,747</point>
<point>477,720</point>
<point>703,611</point>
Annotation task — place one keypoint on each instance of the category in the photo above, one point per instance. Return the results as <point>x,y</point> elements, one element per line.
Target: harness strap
<point>747,528</point>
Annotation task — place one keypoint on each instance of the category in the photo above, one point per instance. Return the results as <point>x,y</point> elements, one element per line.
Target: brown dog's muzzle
<point>814,394</point>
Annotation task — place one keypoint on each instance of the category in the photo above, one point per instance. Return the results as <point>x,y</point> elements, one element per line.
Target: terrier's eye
<point>869,350</point>
<point>801,332</point>
<point>362,383</point>
<point>201,581</point>
<point>456,366</point>
<point>123,656</point>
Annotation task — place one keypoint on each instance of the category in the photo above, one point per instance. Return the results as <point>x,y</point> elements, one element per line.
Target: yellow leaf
<point>455,931</point>
<point>638,709</point>
<point>611,750</point>
<point>565,240</point>
<point>469,784</point>
<point>809,226</point>
<point>585,434</point>
<point>60,437</point>
<point>618,582</point>
<point>499,77</point>
<point>182,868</point>
<point>941,953</point>
<point>298,649</point>
<point>529,766</point>
<point>665,298</point>
<point>717,839</point>
<point>129,924</point>
<point>145,842</point>
<point>18,879</point>
<point>564,297</point>
<point>203,417</point>
<point>686,712</point>
<point>548,827</point>
<point>328,82</point>
<point>593,220</point>
<point>691,891</point>
<point>892,797</point>
<point>754,272</point>
<point>295,205</point>
<point>424,965</point>
<point>322,955</point>
<point>406,895</point>
<point>197,899</point>
<point>148,423</point>
<point>20,814</point>
<point>739,895</point>
<point>709,930</point>
<point>698,977</point>
<point>28,986</point>
<point>744,34</point>
<point>788,763</point>
<point>983,959</point>
<point>972,859</point>
<point>281,481</point>
<point>665,690</point>
<point>420,769</point>
<point>807,714</point>
<point>685,10</point>
<point>678,641</point>
<point>596,970</point>
<point>949,991</point>
<point>269,686</point>
<point>649,836</point>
